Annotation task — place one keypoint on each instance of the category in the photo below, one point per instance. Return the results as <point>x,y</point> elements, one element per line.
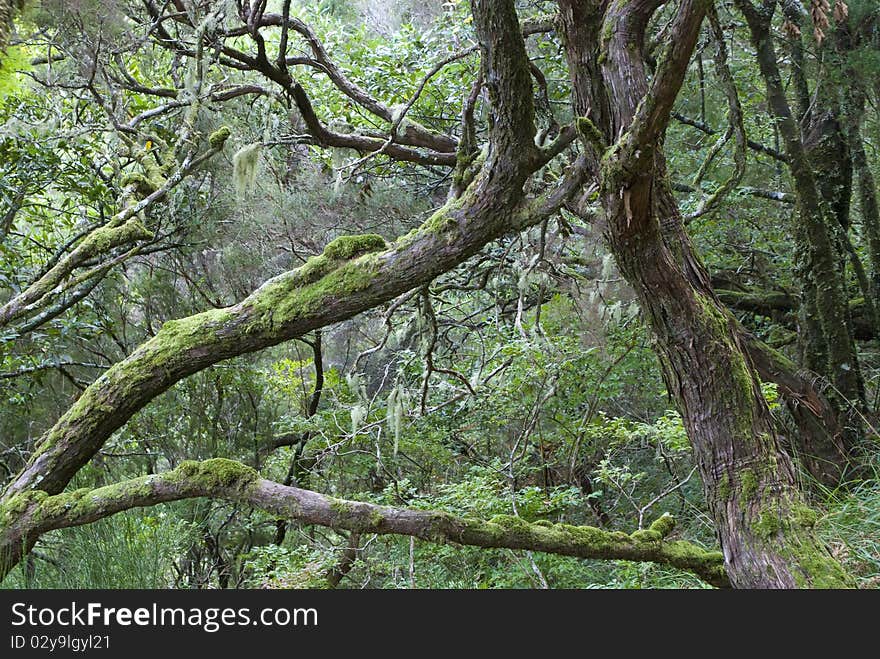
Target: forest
<point>467,294</point>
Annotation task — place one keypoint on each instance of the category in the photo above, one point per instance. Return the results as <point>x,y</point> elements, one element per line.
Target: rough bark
<point>819,266</point>
<point>762,521</point>
<point>867,189</point>
<point>819,441</point>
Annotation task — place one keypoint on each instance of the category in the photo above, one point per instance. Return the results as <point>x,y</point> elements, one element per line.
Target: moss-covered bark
<point>99,242</point>
<point>820,265</point>
<point>352,275</point>
<point>26,516</point>
<point>818,441</point>
<point>744,469</point>
<point>867,193</point>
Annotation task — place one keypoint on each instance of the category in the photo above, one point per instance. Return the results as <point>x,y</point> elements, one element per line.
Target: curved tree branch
<point>352,275</point>
<point>35,513</point>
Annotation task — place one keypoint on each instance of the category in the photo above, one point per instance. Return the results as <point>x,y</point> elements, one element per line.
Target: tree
<point>614,145</point>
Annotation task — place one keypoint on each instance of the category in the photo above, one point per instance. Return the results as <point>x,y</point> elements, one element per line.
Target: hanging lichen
<point>398,403</point>
<point>356,386</point>
<point>358,415</point>
<point>245,165</point>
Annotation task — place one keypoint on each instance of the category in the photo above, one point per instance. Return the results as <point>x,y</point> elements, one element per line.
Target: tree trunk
<point>817,234</point>
<point>763,523</point>
<point>867,191</point>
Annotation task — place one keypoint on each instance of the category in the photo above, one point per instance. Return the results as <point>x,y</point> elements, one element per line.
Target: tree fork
<point>748,480</point>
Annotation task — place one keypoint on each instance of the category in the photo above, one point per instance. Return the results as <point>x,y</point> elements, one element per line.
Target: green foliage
<point>280,567</point>
<point>135,549</point>
<point>851,527</point>
<point>13,61</point>
<point>541,398</point>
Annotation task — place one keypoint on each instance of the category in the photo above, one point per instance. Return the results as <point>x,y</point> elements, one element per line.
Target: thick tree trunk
<point>763,524</point>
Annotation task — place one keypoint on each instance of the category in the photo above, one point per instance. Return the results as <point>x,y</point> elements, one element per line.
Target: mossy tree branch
<point>125,228</point>
<point>28,515</point>
<point>781,307</point>
<point>354,274</point>
<point>100,241</point>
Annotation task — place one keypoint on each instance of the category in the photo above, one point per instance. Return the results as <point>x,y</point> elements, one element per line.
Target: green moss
<point>768,525</point>
<point>301,301</point>
<point>663,525</point>
<point>804,516</point>
<point>724,488</point>
<point>612,166</point>
<point>591,535</point>
<point>592,542</point>
<point>681,549</point>
<point>176,329</point>
<point>820,570</point>
<point>512,524</point>
<point>134,488</point>
<point>646,535</point>
<point>591,134</point>
<point>143,186</point>
<point>62,504</point>
<point>748,486</point>
<point>347,247</point>
<point>443,221</point>
<point>464,172</point>
<point>812,566</point>
<point>376,517</point>
<point>710,563</point>
<point>218,138</point>
<point>313,269</point>
<point>322,278</point>
<point>215,473</point>
<point>18,505</point>
<point>107,237</point>
<point>155,170</point>
<point>607,33</point>
<point>340,506</point>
